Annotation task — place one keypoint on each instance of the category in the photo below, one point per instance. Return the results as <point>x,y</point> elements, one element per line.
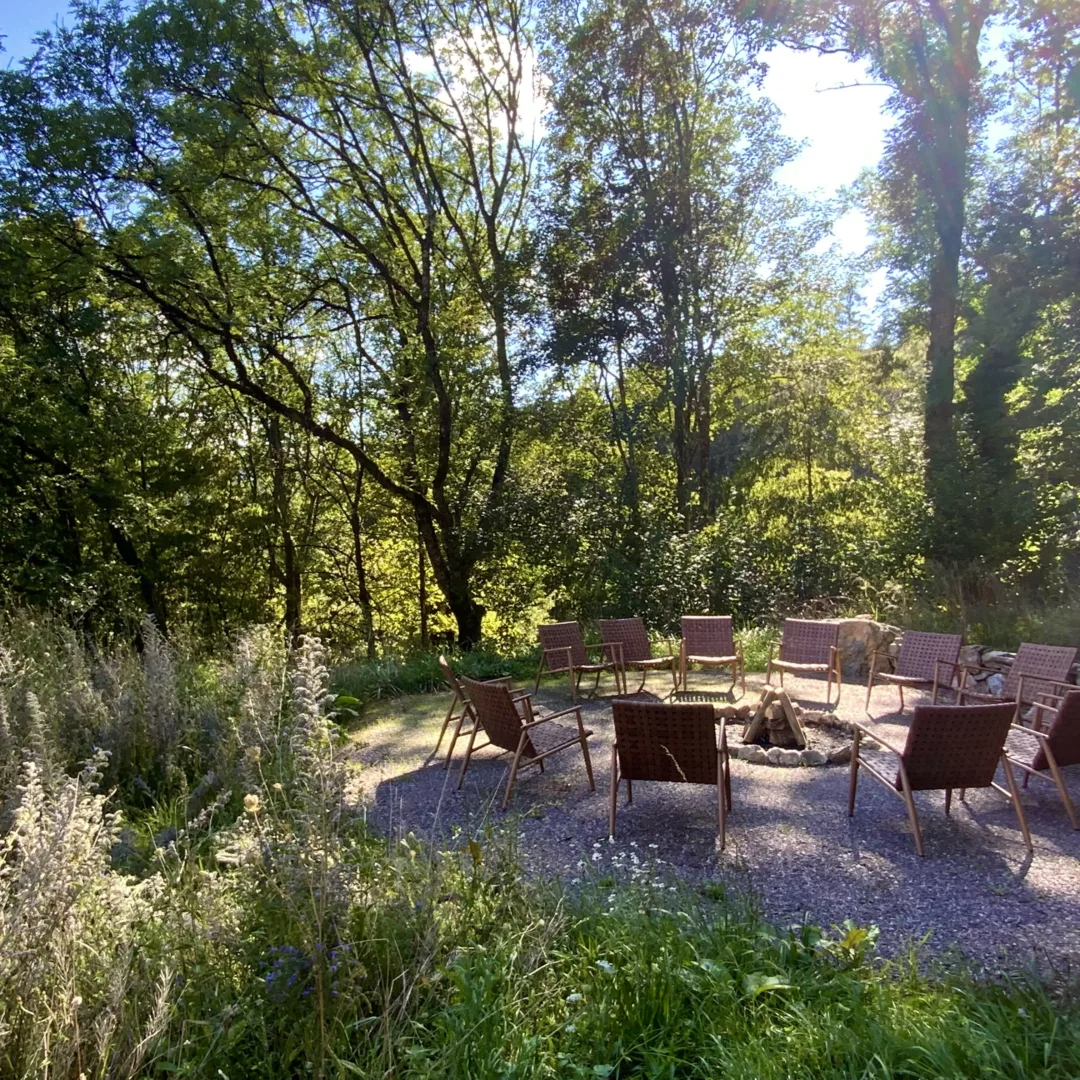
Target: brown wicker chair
<point>674,743</point>
<point>809,646</point>
<point>459,716</point>
<point>563,649</point>
<point>920,662</point>
<point>511,725</point>
<point>1035,751</point>
<point>1037,671</point>
<point>634,650</point>
<point>948,746</point>
<point>708,640</point>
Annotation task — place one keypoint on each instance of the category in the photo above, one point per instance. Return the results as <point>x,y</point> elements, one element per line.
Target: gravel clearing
<point>790,842</point>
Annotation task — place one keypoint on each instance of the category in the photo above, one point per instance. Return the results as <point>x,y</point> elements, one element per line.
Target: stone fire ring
<point>830,731</point>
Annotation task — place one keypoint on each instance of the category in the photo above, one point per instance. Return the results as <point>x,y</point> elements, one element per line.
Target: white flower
<point>571,1028</point>
<point>571,998</point>
<point>596,856</point>
<point>611,839</point>
<point>606,967</point>
<point>597,844</point>
<point>575,881</point>
<point>611,899</point>
<point>653,846</point>
<point>633,843</point>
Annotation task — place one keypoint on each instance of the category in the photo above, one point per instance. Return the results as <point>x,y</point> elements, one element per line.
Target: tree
<point>928,51</point>
<point>280,182</point>
<point>661,167</point>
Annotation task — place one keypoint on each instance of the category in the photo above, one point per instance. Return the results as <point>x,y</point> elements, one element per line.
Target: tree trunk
<point>363,592</point>
<point>289,575</point>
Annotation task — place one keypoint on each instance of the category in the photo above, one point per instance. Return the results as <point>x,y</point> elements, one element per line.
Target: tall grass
<point>260,930</point>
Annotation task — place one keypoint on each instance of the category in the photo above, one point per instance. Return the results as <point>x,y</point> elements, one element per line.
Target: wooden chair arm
<point>562,649</point>
<point>877,738</point>
<point>1038,733</point>
<point>616,648</point>
<point>554,716</point>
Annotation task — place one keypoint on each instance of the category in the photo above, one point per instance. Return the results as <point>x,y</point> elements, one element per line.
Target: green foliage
<point>269,934</point>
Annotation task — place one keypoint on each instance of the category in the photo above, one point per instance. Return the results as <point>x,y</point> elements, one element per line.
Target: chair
<point>510,724</point>
<point>675,743</point>
<point>948,746</point>
<point>562,648</point>
<point>922,655</point>
<point>809,646</point>
<point>458,718</point>
<point>634,650</point>
<point>1037,671</point>
<point>1034,751</point>
<point>708,640</point>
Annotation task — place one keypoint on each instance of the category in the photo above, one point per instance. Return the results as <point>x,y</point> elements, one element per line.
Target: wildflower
<point>606,967</point>
<point>571,998</point>
<point>596,856</point>
<point>276,787</point>
<point>653,846</point>
<point>253,754</point>
<point>251,803</point>
<point>571,1028</point>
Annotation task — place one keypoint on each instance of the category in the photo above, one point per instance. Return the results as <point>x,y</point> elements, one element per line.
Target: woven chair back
<point>658,741</point>
<point>807,641</point>
<point>497,714</point>
<point>560,635</point>
<point>1063,736</point>
<point>919,650</point>
<point>708,635</point>
<point>1041,666</point>
<point>631,633</point>
<point>955,746</point>
<point>450,677</point>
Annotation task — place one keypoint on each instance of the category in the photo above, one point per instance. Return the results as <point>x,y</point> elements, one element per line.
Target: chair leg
<point>742,674</point>
<point>539,672</point>
<point>513,770</point>
<point>869,691</point>
<point>574,683</point>
<point>721,800</point>
<point>912,812</point>
<point>454,738</point>
<point>442,731</point>
<point>948,801</point>
<point>641,685</point>
<point>629,792</point>
<point>1066,801</point>
<point>853,778</point>
<point>614,789</point>
<point>468,756</point>
<point>1018,806</point>
<point>839,679</point>
<point>588,762</point>
<point>901,701</point>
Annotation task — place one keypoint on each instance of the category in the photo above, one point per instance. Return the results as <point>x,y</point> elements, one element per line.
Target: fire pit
<point>779,732</point>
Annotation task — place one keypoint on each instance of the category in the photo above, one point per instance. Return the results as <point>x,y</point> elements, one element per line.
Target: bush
<point>268,934</point>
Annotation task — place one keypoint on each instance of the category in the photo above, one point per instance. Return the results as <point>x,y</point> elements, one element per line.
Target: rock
<point>859,639</point>
<point>812,757</point>
<point>790,758</point>
<point>841,756</point>
<point>773,755</point>
<point>745,712</point>
<point>995,683</point>
<point>756,755</point>
<point>970,655</point>
<point>997,659</point>
<point>745,753</point>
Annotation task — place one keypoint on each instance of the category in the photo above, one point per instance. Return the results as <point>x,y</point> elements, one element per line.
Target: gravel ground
<point>789,839</point>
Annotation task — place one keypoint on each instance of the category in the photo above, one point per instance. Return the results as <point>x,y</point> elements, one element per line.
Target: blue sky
<point>842,129</point>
